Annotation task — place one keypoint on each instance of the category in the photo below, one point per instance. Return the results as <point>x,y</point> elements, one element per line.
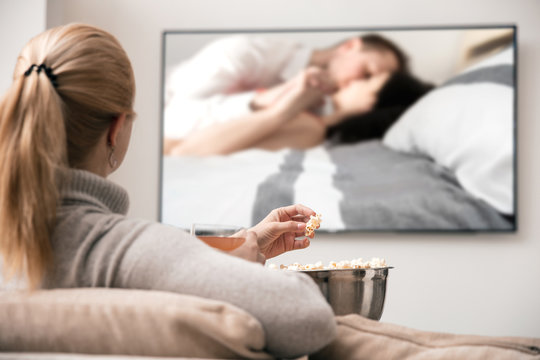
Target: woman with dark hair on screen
<point>367,109</point>
<point>65,125</point>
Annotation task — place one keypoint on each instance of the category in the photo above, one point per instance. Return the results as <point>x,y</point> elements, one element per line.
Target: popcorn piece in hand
<point>313,223</point>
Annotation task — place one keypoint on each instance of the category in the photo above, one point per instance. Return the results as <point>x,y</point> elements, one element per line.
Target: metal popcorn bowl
<point>348,291</point>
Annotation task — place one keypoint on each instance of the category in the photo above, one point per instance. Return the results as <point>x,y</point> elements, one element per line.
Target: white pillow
<point>467,125</point>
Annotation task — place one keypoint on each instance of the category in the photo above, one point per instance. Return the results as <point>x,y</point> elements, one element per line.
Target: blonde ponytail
<point>50,121</point>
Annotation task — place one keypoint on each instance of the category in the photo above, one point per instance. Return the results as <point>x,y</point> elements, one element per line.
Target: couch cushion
<point>127,322</point>
<point>360,338</point>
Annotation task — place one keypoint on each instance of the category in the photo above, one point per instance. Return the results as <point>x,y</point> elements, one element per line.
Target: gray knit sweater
<point>96,245</point>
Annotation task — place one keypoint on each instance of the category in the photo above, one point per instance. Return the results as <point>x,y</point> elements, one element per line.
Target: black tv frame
<point>513,219</point>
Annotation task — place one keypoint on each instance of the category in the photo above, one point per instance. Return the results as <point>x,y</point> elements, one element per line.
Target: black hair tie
<point>46,70</point>
<point>29,71</point>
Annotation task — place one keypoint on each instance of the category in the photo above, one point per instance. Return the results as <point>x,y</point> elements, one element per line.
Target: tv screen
<point>377,129</point>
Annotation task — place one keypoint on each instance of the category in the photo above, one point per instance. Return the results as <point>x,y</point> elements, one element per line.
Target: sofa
<point>118,324</point>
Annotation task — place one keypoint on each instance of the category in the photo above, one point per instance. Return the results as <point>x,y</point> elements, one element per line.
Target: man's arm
<point>250,130</point>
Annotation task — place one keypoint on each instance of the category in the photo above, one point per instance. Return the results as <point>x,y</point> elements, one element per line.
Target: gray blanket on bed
<point>386,190</point>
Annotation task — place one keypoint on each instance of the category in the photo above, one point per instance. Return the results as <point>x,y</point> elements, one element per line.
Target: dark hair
<point>377,41</point>
<point>400,92</point>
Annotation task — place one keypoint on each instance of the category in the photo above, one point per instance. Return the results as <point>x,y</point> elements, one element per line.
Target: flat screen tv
<point>424,142</point>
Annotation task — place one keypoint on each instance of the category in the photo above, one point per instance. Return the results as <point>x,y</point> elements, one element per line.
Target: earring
<point>112,160</point>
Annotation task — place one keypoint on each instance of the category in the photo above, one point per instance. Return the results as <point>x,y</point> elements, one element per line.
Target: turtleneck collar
<point>82,186</point>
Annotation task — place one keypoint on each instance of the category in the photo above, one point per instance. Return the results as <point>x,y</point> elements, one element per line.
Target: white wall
<point>466,283</point>
<point>20,20</point>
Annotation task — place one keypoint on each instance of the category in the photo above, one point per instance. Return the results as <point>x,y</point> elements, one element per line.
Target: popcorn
<point>313,223</point>
<point>295,266</point>
<point>317,266</point>
<point>374,263</point>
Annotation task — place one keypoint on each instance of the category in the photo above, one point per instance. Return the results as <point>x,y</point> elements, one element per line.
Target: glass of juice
<point>222,237</point>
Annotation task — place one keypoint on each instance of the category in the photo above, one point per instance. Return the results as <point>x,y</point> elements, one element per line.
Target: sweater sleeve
<point>295,316</point>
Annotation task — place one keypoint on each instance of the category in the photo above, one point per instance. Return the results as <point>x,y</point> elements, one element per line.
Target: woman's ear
<point>114,129</point>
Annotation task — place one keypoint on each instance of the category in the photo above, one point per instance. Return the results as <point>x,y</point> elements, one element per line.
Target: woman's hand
<point>249,250</point>
<point>277,232</point>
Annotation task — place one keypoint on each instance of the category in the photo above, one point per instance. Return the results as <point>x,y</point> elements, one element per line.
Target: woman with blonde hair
<point>65,125</point>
